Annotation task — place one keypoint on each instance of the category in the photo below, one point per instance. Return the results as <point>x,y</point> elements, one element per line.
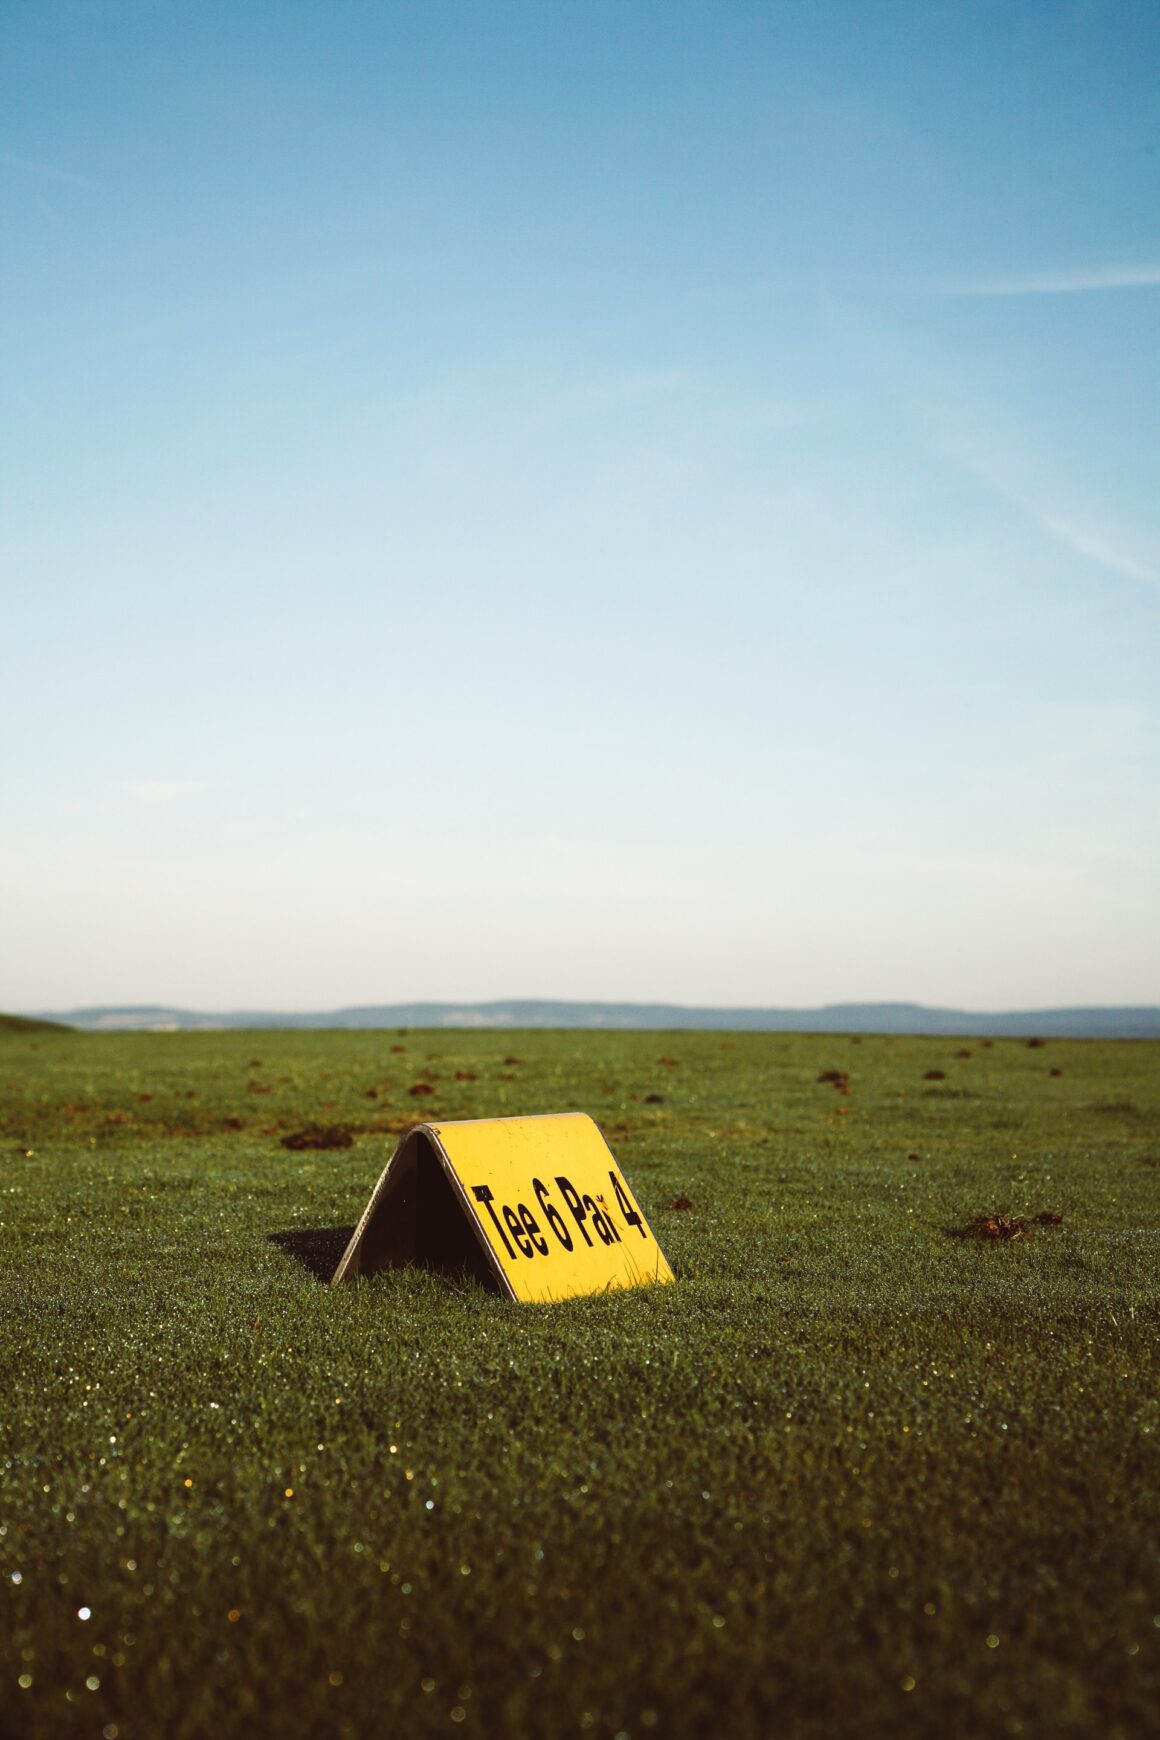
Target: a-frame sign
<point>538,1204</point>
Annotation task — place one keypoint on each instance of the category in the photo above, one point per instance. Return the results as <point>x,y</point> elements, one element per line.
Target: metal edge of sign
<point>375,1198</point>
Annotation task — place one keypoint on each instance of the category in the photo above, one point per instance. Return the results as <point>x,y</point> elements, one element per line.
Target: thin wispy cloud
<point>49,171</point>
<point>996,461</point>
<point>1061,281</point>
<point>1098,548</point>
<point>162,791</point>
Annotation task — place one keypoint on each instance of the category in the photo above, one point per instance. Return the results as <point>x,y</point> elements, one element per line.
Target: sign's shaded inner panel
<point>447,1241</point>
<point>419,1221</point>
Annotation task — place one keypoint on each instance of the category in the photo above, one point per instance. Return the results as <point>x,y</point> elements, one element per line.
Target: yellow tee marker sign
<point>539,1203</point>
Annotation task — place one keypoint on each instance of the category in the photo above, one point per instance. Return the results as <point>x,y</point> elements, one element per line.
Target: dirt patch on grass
<point>320,1136</point>
<point>1004,1228</point>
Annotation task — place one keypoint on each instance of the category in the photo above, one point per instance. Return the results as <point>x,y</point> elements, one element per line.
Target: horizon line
<point>453,1004</point>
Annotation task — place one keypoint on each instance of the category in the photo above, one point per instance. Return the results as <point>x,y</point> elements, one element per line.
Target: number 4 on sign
<point>523,1202</point>
<point>627,1206</point>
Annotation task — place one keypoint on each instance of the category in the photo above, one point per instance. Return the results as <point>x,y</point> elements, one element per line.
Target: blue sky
<point>580,500</point>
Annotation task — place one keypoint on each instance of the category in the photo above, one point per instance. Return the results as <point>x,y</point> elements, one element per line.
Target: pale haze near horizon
<point>596,501</point>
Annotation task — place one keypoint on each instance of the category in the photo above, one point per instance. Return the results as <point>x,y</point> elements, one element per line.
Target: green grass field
<point>852,1475</point>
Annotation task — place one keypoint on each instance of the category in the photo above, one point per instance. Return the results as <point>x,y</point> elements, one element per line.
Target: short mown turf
<point>854,1474</point>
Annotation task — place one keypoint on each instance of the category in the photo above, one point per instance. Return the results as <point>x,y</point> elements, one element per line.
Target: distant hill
<point>1096,1023</point>
<point>30,1024</point>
